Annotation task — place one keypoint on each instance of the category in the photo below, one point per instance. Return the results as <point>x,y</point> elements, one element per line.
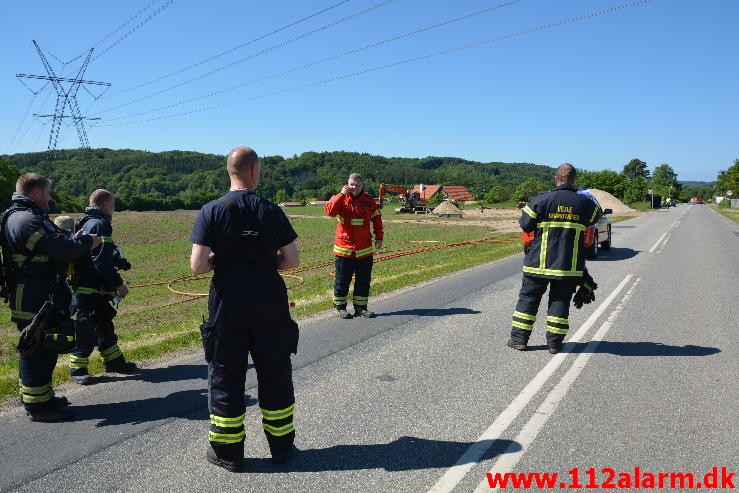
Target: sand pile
<point>447,208</point>
<point>608,201</point>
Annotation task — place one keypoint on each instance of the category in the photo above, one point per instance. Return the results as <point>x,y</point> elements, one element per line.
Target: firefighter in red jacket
<point>356,211</point>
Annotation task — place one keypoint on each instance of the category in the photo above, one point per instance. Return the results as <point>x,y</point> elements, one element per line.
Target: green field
<point>154,320</point>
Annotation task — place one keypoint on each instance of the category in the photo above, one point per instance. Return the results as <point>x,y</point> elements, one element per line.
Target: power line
<point>401,62</point>
<point>327,59</point>
<point>134,16</point>
<point>143,84</point>
<point>253,55</point>
<point>134,29</point>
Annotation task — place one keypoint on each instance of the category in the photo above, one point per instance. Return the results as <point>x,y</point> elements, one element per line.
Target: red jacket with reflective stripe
<point>353,237</point>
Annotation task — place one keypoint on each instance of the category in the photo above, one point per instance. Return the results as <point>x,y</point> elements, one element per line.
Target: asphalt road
<point>426,397</point>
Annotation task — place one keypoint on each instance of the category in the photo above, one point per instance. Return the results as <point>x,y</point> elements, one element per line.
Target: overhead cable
<point>134,16</point>
<point>323,60</point>
<point>134,29</point>
<point>395,64</point>
<point>143,84</point>
<point>253,55</point>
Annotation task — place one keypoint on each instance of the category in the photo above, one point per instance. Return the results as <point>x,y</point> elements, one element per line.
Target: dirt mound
<point>447,208</point>
<point>608,201</point>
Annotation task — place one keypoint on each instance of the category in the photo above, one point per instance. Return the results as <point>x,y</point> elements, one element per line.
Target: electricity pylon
<point>66,96</point>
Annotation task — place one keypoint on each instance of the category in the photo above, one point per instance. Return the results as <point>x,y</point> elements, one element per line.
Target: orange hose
<point>389,255</point>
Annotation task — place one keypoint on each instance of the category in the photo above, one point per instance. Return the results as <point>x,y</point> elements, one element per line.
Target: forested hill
<point>145,180</point>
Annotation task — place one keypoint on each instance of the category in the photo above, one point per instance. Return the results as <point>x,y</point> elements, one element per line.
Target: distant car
<point>599,235</point>
<point>699,201</point>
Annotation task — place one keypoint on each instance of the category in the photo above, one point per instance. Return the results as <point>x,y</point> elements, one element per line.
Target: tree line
<point>171,180</point>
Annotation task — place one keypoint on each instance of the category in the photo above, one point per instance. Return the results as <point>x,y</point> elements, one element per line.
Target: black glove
<point>586,292</point>
<point>119,260</point>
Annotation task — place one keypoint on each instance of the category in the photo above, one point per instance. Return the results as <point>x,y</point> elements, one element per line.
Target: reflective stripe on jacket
<point>558,218</point>
<point>355,217</point>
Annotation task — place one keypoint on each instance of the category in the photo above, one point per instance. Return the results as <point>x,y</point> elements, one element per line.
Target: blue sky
<point>657,80</point>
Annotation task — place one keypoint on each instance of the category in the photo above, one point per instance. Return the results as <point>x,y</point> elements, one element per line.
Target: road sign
<point>649,191</point>
<point>729,193</point>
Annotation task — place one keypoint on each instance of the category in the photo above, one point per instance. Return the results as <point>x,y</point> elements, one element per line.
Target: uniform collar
<point>565,186</point>
<point>21,200</point>
<point>360,196</point>
<point>98,213</point>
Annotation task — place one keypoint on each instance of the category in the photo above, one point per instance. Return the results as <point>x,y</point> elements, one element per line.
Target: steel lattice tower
<point>66,97</point>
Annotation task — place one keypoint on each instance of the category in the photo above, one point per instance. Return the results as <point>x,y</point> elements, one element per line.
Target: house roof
<point>458,192</point>
<point>428,190</point>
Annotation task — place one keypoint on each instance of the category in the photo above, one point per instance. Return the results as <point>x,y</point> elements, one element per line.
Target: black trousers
<point>361,270</point>
<point>94,328</point>
<point>241,324</point>
<point>35,369</point>
<point>558,308</point>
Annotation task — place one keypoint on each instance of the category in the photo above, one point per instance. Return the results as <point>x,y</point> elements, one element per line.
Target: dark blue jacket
<point>97,274</point>
<point>38,254</point>
<point>558,217</point>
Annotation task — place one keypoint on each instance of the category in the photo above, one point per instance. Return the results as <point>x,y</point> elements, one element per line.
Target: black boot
<point>230,464</point>
<point>554,342</point>
<point>286,456</point>
<point>48,413</point>
<point>80,376</point>
<point>120,365</point>
<point>516,345</point>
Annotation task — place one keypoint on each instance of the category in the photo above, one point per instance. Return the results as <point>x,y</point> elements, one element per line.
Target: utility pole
<point>66,96</point>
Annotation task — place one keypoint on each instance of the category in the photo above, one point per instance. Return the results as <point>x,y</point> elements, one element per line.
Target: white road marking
<point>654,247</point>
<point>510,457</point>
<point>662,247</point>
<point>457,472</point>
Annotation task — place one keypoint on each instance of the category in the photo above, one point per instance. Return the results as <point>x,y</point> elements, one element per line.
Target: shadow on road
<point>635,349</point>
<point>403,454</point>
<point>643,348</point>
<point>614,254</point>
<point>159,375</point>
<point>431,312</point>
<point>183,404</point>
<point>186,404</point>
<point>172,373</point>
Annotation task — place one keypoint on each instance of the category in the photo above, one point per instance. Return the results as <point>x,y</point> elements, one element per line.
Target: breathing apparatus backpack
<point>6,268</point>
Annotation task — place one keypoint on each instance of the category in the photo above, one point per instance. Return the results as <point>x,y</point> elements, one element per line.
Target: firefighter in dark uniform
<point>95,282</point>
<point>357,216</point>
<point>36,255</point>
<point>246,240</point>
<point>555,259</point>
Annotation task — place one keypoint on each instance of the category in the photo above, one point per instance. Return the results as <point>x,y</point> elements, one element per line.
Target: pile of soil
<point>608,201</point>
<point>447,208</point>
